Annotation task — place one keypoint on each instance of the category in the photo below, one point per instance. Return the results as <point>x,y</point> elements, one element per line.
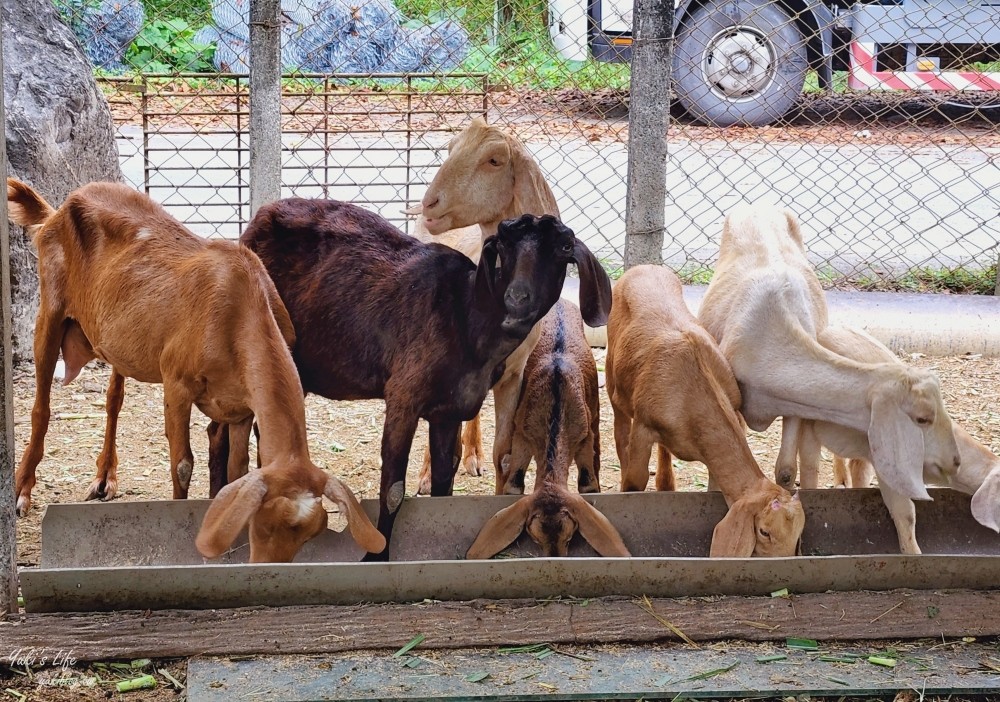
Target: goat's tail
<point>26,207</point>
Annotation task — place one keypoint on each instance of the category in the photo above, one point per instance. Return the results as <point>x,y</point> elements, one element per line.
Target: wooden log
<point>895,614</point>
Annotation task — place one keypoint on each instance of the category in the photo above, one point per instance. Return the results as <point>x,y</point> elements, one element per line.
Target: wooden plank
<point>894,614</point>
<point>8,541</point>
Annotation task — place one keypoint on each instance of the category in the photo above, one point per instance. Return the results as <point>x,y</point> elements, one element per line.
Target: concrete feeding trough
<point>141,555</point>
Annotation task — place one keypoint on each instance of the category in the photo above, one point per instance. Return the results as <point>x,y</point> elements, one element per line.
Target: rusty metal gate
<point>184,140</point>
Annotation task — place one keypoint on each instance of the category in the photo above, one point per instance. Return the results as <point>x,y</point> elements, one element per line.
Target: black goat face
<point>533,254</point>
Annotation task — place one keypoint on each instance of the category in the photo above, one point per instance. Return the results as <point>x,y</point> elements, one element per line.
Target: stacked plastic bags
<point>105,30</point>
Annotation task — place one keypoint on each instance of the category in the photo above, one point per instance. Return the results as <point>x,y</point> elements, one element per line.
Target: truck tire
<point>739,62</point>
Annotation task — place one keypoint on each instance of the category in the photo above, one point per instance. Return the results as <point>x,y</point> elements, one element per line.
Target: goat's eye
<point>923,421</point>
<point>763,532</point>
<point>567,248</point>
<point>494,162</point>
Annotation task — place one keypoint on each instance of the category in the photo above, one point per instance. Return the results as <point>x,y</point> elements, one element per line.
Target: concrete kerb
<point>927,323</point>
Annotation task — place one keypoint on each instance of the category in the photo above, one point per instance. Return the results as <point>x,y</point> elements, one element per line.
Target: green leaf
<point>771,659</point>
<point>711,673</point>
<point>477,676</point>
<point>884,662</point>
<point>413,643</point>
<point>932,611</point>
<point>802,644</point>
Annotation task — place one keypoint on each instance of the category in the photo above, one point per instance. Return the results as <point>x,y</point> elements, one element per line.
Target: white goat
<point>765,308</point>
<point>978,475</point>
<point>488,177</point>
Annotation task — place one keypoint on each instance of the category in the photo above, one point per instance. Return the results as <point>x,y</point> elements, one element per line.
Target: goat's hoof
<point>474,466</point>
<point>784,480</point>
<point>102,490</point>
<point>23,505</point>
<point>589,489</point>
<point>376,557</point>
<point>424,486</point>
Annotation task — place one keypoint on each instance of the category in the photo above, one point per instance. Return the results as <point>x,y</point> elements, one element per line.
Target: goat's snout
<point>518,301</point>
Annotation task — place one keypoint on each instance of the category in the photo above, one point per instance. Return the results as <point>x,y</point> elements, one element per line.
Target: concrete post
<point>8,529</point>
<point>649,116</point>
<point>265,103</point>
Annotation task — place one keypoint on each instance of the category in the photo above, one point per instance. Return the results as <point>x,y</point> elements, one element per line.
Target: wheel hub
<point>738,63</point>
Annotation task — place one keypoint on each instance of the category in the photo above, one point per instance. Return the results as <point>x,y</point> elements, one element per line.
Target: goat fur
<point>763,309</point>
<point>378,314</point>
<point>557,423</point>
<point>489,176</point>
<point>669,384</point>
<point>978,475</point>
<point>123,281</point>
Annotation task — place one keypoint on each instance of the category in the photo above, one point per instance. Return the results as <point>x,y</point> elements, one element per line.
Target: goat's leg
<point>506,393</point>
<point>515,466</point>
<point>397,438</point>
<point>218,457</point>
<point>587,472</point>
<point>48,336</point>
<point>640,448</point>
<point>105,485</point>
<point>810,449</point>
<point>239,450</point>
<point>177,402</point>
<point>664,470</point>
<point>904,516</point>
<point>861,472</point>
<point>589,479</point>
<point>472,447</point>
<point>786,466</point>
<point>623,427</point>
<point>446,454</point>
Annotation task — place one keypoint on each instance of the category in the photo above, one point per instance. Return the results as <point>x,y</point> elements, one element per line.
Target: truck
<point>747,61</point>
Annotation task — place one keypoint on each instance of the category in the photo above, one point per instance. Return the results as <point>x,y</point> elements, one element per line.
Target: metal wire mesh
<point>876,123</point>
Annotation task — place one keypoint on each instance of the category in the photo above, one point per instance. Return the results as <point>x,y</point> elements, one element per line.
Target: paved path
<point>861,205</point>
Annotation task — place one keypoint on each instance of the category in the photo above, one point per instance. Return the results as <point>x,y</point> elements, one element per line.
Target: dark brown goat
<point>557,422</point>
<point>379,314</point>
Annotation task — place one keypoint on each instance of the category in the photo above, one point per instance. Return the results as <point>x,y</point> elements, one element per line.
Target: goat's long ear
<point>734,536</point>
<point>986,501</point>
<point>487,270</point>
<point>501,530</point>
<point>897,449</point>
<point>362,529</point>
<point>596,529</point>
<point>229,513</point>
<point>595,286</point>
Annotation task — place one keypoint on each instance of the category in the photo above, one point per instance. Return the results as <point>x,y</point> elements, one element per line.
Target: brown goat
<point>123,281</point>
<point>378,314</point>
<point>557,422</point>
<point>489,176</point>
<point>669,384</point>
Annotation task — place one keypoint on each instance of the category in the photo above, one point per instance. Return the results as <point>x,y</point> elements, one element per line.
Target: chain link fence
<point>878,124</point>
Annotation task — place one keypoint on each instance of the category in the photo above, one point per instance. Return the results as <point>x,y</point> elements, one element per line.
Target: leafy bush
<point>167,46</point>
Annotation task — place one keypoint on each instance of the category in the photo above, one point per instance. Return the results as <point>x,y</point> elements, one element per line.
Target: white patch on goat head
<point>305,503</point>
<point>395,497</point>
<point>143,233</point>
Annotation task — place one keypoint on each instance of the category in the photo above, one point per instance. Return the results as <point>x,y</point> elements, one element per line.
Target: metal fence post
<point>8,528</point>
<point>265,103</point>
<point>649,116</point>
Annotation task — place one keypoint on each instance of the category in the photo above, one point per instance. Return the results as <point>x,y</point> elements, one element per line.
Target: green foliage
<point>531,62</point>
<point>168,46</point>
<point>194,12</point>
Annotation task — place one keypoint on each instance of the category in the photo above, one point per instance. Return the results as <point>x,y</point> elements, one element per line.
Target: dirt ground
<point>344,437</point>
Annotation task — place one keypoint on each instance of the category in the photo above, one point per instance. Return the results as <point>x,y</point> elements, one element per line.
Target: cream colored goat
<point>766,310</point>
<point>669,384</point>
<point>557,423</point>
<point>123,281</point>
<point>488,177</point>
<point>978,475</point>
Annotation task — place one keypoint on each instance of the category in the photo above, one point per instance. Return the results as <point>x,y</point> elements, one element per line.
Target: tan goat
<point>557,422</point>
<point>670,385</point>
<point>763,308</point>
<point>123,281</point>
<point>978,475</point>
<point>489,176</point>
